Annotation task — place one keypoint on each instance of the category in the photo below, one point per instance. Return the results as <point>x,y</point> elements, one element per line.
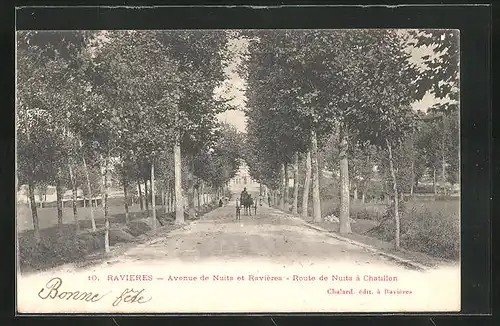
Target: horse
<point>247,203</point>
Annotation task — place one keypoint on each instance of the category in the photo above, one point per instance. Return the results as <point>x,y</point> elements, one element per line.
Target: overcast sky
<point>234,86</point>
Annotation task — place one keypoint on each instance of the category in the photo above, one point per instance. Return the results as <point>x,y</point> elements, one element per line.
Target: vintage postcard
<point>222,171</point>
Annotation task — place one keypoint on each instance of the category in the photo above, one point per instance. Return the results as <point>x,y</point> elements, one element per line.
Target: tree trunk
<point>150,183</point>
<point>169,198</point>
<point>179,203</point>
<point>315,178</point>
<point>355,193</point>
<point>104,171</point>
<point>125,195</point>
<point>140,195</point>
<point>307,185</point>
<point>386,191</point>
<point>365,186</point>
<point>170,207</point>
<point>146,196</point>
<point>191,195</point>
<point>103,185</point>
<point>443,155</point>
<point>443,173</point>
<point>295,183</point>
<point>59,198</point>
<point>202,191</point>
<point>396,197</point>
<point>412,181</point>
<point>153,196</point>
<point>163,200</point>
<point>412,172</point>
<point>34,213</point>
<point>286,190</point>
<point>74,197</point>
<point>345,225</point>
<point>282,198</point>
<point>198,195</point>
<point>172,198</point>
<point>434,183</point>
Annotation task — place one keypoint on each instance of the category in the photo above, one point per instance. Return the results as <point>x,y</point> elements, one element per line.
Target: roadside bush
<point>358,210</point>
<point>91,241</point>
<point>386,230</point>
<point>367,213</point>
<point>139,227</point>
<point>52,251</point>
<point>424,189</point>
<point>389,213</point>
<point>329,208</point>
<point>375,191</point>
<point>444,198</point>
<point>435,233</point>
<point>57,249</point>
<point>328,189</point>
<point>119,233</point>
<point>205,208</point>
<point>431,231</point>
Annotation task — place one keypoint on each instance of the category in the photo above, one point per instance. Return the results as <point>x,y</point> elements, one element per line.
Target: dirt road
<point>268,235</point>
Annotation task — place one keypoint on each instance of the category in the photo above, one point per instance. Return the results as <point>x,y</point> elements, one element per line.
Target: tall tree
<point>295,183</point>
<point>438,75</point>
<point>200,56</point>
<point>387,117</point>
<point>272,124</point>
<point>307,185</point>
<point>142,82</point>
<point>48,84</point>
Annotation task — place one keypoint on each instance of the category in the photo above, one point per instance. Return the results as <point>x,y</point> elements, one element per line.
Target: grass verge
<point>428,227</point>
<point>59,246</point>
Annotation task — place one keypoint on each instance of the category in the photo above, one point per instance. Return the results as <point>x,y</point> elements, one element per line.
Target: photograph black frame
<point>474,22</point>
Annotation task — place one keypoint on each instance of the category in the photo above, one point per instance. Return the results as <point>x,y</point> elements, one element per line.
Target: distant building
<point>47,197</point>
<point>242,179</point>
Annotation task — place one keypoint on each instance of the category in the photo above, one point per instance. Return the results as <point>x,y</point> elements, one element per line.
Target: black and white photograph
<point>228,170</point>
